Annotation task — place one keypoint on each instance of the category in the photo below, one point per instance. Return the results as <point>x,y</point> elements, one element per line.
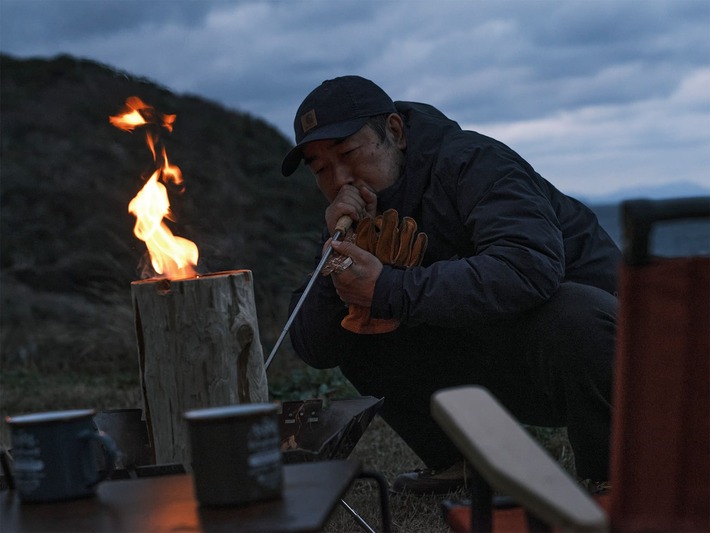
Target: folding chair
<point>660,464</point>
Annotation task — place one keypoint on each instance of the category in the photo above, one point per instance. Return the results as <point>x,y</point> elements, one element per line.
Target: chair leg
<point>535,525</point>
<point>384,498</point>
<point>481,505</point>
<point>482,509</point>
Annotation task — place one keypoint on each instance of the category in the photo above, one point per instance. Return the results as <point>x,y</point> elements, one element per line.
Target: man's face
<point>363,159</point>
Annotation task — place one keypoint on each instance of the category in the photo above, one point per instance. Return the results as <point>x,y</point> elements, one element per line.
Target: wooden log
<point>198,346</point>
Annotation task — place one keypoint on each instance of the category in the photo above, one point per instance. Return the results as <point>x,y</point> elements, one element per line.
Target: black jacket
<point>501,240</point>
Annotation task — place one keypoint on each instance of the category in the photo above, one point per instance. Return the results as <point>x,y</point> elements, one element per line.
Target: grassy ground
<point>380,449</point>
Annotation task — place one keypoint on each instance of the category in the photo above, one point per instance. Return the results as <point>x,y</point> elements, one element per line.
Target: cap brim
<point>339,130</point>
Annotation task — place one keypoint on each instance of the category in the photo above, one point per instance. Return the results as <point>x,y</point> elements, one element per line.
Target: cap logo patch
<point>308,120</point>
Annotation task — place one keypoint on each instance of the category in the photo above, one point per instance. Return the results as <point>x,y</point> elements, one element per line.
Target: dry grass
<point>27,391</point>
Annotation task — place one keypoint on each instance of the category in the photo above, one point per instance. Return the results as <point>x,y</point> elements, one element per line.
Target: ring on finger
<point>342,267</point>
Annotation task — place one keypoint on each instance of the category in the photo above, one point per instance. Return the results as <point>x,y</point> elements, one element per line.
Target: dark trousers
<point>551,366</point>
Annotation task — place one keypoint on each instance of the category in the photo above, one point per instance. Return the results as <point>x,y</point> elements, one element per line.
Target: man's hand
<point>356,284</point>
<point>357,203</point>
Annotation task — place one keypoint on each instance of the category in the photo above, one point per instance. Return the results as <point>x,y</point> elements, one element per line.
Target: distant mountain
<point>670,190</point>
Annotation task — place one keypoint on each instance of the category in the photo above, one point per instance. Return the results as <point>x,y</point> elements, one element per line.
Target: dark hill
<point>68,253</point>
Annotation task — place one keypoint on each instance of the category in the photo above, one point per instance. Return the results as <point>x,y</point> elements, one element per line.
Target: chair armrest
<point>511,461</point>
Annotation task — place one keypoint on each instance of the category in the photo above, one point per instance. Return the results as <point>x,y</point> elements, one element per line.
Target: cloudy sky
<point>598,95</point>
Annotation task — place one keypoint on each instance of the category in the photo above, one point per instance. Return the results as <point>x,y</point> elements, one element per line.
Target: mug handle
<point>110,453</point>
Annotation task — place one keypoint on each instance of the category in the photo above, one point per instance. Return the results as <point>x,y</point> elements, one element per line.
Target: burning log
<point>198,336</point>
<point>198,346</point>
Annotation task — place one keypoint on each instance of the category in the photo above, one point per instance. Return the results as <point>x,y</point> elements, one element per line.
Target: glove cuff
<point>358,320</point>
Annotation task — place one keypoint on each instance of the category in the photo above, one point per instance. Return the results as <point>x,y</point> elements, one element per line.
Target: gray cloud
<point>590,92</point>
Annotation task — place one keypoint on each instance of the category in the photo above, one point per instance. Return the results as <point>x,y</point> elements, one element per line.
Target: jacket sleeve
<point>515,257</point>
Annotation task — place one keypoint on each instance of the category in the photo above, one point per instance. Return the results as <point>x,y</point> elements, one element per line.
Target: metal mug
<point>54,455</point>
<point>236,453</point>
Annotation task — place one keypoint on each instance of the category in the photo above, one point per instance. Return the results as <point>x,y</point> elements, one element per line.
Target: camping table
<point>167,503</point>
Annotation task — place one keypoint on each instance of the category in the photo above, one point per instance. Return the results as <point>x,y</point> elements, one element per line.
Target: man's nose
<point>342,176</point>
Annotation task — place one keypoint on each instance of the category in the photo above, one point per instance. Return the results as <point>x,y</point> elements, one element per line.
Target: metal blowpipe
<point>341,227</point>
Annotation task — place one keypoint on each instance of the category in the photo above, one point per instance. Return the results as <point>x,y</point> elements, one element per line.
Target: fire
<point>171,256</point>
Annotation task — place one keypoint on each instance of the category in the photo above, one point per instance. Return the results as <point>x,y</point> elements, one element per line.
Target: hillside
<point>67,249</point>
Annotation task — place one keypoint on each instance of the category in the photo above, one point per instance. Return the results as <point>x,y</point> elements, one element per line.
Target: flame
<point>171,256</point>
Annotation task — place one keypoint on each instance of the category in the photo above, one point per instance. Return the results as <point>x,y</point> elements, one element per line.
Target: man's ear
<point>395,128</point>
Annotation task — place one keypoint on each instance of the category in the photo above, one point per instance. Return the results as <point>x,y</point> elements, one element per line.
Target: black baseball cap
<point>334,110</point>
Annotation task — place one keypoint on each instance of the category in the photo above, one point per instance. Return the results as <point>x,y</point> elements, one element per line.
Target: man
<point>516,290</point>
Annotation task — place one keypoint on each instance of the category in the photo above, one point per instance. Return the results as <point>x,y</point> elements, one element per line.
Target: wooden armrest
<point>511,461</point>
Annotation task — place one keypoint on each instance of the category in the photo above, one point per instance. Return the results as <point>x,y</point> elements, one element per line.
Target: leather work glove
<point>395,244</point>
